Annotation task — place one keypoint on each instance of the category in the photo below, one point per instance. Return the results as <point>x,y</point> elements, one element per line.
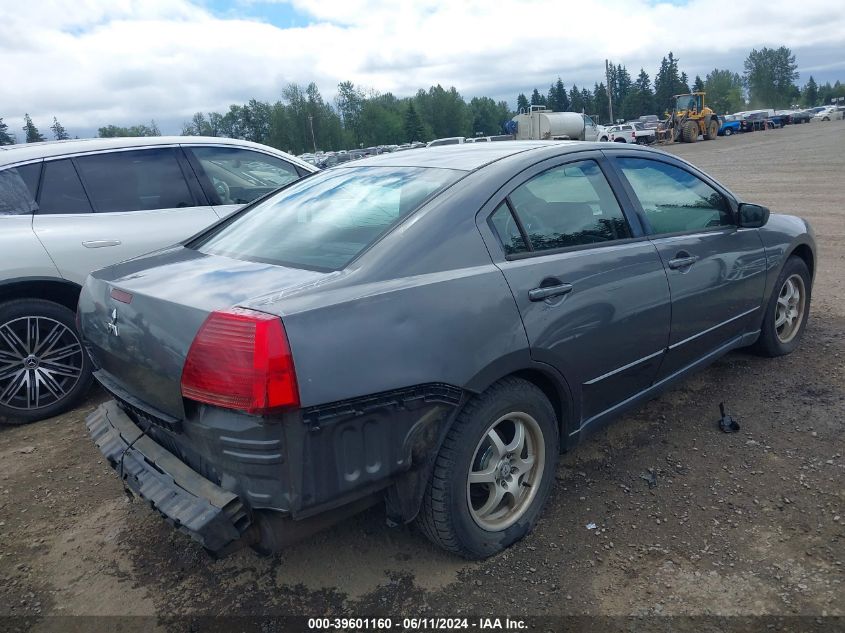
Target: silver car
<point>70,207</point>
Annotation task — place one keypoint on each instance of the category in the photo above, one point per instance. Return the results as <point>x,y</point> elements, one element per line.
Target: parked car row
<point>768,119</point>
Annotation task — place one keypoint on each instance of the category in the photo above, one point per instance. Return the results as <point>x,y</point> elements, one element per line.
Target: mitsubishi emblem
<point>111,325</point>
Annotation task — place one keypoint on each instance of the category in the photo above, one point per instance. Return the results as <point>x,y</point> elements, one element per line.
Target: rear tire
<point>712,130</point>
<point>728,131</point>
<point>787,311</point>
<point>488,487</point>
<point>44,368</point>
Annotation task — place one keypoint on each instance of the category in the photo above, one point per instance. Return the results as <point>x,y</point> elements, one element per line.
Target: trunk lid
<point>139,344</point>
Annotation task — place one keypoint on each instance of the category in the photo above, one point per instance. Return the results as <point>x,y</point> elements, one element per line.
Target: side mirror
<point>753,216</point>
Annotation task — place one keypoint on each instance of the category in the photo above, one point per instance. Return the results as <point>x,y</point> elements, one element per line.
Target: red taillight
<point>240,359</point>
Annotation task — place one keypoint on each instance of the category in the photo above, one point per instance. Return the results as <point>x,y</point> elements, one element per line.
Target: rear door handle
<point>682,261</point>
<point>545,292</point>
<point>100,243</point>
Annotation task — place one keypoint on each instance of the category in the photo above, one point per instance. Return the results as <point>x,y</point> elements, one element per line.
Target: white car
<point>830,113</point>
<point>70,207</point>
<point>450,140</point>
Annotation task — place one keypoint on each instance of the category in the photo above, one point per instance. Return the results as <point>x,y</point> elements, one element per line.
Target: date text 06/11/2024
<point>415,624</point>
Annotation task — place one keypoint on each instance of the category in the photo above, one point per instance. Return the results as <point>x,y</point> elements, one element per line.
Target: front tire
<point>728,131</point>
<point>690,132</point>
<point>44,369</point>
<point>787,312</point>
<point>494,471</point>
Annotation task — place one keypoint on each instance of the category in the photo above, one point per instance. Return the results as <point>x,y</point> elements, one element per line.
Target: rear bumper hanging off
<point>211,515</point>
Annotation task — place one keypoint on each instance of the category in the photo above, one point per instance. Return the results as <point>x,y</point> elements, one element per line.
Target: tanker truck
<point>540,123</point>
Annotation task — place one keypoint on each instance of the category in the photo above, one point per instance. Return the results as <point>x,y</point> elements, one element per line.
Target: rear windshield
<point>326,220</point>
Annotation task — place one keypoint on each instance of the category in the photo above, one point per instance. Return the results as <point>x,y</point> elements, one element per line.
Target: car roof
<point>23,152</point>
<point>466,156</point>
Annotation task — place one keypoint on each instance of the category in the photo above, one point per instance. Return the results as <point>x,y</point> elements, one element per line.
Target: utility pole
<point>311,123</point>
<point>609,91</point>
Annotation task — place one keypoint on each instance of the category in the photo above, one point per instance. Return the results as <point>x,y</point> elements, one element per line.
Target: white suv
<point>70,207</point>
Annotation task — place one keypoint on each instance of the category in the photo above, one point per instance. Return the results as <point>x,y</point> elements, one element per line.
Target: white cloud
<point>126,61</point>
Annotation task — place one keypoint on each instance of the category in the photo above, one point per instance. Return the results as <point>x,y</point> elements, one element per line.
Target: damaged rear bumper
<point>211,515</point>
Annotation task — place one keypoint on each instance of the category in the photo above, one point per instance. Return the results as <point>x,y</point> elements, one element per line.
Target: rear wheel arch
<point>61,291</point>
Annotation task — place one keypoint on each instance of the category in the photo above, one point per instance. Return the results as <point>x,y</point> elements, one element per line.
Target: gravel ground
<point>749,524</point>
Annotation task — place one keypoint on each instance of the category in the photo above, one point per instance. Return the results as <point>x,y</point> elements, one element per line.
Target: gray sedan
<point>427,330</point>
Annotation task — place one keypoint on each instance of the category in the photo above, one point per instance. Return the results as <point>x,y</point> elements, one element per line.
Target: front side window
<point>239,176</point>
<point>18,187</point>
<point>673,199</point>
<point>570,205</point>
<point>138,180</point>
<point>61,190</point>
<point>325,221</point>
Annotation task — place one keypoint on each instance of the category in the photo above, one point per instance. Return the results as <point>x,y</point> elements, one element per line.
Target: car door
<point>591,290</point>
<point>232,176</point>
<point>716,270</point>
<point>102,208</point>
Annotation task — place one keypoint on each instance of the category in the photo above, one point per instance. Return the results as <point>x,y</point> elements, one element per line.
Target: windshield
<point>687,102</point>
<point>325,221</point>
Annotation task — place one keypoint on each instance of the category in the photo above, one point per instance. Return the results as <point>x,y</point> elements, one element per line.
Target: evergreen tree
<point>413,126</point>
<point>600,106</point>
<point>32,133</point>
<point>5,137</point>
<point>522,103</point>
<point>537,98</point>
<point>683,85</point>
<point>576,100</point>
<point>587,98</point>
<point>640,100</point>
<point>811,93</point>
<point>558,100</point>
<point>59,131</point>
<point>698,86</point>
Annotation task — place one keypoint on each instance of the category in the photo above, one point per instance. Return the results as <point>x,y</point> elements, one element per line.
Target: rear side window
<point>673,199</point>
<point>141,180</point>
<point>239,176</point>
<point>325,221</point>
<point>507,230</point>
<point>570,205</point>
<point>61,190</point>
<point>18,187</point>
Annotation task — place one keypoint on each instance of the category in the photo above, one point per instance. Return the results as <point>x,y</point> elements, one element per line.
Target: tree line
<point>302,120</point>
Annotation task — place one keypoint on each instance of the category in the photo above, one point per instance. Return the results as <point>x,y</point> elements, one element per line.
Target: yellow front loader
<point>689,119</point>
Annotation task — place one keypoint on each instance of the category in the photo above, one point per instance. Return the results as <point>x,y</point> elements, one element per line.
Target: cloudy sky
<point>94,62</point>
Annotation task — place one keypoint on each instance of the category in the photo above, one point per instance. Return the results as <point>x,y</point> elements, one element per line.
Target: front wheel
<point>787,311</point>
<point>728,131</point>
<point>44,369</point>
<point>494,471</point>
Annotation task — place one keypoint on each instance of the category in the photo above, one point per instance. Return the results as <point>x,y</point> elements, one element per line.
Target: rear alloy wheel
<point>494,471</point>
<point>786,314</point>
<point>44,369</point>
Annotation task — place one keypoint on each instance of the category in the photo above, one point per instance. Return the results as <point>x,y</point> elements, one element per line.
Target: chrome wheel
<point>506,470</point>
<point>789,312</point>
<point>41,361</point>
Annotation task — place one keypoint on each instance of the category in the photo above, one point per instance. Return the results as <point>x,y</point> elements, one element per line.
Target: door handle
<point>682,260</point>
<point>100,243</point>
<point>545,292</point>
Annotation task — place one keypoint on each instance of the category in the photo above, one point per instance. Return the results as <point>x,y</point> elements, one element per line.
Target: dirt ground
<point>746,524</point>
